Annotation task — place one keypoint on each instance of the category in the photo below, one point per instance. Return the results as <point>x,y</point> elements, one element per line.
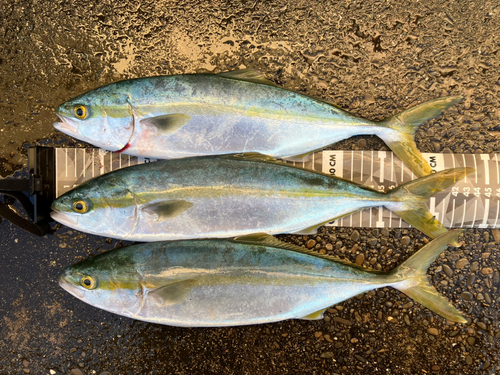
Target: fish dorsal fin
<point>317,315</point>
<point>264,239</point>
<point>172,293</point>
<point>165,210</point>
<point>254,156</point>
<point>166,124</point>
<point>327,102</point>
<point>250,75</point>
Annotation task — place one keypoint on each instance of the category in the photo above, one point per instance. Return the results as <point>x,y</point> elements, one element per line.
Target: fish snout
<point>64,218</point>
<point>70,288</point>
<point>66,125</point>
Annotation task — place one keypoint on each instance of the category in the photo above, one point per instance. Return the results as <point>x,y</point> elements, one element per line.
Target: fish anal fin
<point>308,231</point>
<point>249,74</point>
<point>173,293</point>
<point>264,239</point>
<point>166,210</point>
<point>166,124</point>
<point>317,315</point>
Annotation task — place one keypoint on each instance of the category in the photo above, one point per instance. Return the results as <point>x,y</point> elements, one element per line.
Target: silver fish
<point>247,280</point>
<point>233,195</point>
<point>189,115</point>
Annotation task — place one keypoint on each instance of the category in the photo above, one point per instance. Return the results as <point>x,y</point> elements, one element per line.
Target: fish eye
<point>80,206</point>
<point>81,112</point>
<point>88,282</point>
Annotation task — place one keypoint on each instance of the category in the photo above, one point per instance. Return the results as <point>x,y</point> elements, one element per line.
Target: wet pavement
<point>372,58</point>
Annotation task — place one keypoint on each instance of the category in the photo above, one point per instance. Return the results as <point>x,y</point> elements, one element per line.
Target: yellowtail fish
<point>246,280</point>
<point>233,195</point>
<point>170,117</point>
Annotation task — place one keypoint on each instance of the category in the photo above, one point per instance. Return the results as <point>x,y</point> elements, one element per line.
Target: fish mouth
<point>70,288</point>
<point>65,219</point>
<point>66,125</point>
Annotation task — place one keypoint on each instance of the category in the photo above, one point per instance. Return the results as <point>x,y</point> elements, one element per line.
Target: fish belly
<point>243,304</point>
<point>242,214</point>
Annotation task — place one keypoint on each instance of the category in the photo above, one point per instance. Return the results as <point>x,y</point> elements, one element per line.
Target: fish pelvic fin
<point>415,284</point>
<point>405,124</point>
<point>414,196</point>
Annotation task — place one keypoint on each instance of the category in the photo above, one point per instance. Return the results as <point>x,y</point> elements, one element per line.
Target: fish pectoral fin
<point>173,293</point>
<point>317,315</point>
<point>167,209</point>
<point>166,124</point>
<point>250,75</point>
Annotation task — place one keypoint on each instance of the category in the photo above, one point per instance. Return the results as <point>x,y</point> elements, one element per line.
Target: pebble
<point>26,370</point>
<point>310,244</point>
<point>318,334</point>
<point>72,350</point>
<point>372,242</point>
<point>436,368</point>
<point>361,143</point>
<point>471,280</point>
<point>329,246</point>
<point>328,338</point>
<point>63,245</point>
<point>466,296</point>
<point>496,234</point>
<point>474,267</point>
<point>481,325</point>
<point>354,248</point>
<point>355,236</point>
<point>407,319</point>
<point>462,263</point>
<point>105,373</point>
<point>487,271</point>
<point>433,331</point>
<point>342,320</point>
<point>52,372</point>
<point>360,259</point>
<point>405,240</point>
<point>25,363</point>
<point>408,305</point>
<point>468,360</point>
<point>447,270</point>
<point>76,371</point>
<point>359,358</point>
<point>327,355</point>
<point>471,340</point>
<point>338,245</point>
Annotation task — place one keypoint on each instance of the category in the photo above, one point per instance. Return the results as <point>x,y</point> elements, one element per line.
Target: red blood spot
<point>123,149</point>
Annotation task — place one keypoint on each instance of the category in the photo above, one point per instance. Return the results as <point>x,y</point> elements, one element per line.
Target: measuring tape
<point>473,202</point>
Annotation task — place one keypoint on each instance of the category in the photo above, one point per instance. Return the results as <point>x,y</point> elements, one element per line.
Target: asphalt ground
<point>374,59</point>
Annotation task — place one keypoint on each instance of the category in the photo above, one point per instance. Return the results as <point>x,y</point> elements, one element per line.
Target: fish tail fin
<point>412,278</point>
<point>414,195</point>
<point>404,125</point>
